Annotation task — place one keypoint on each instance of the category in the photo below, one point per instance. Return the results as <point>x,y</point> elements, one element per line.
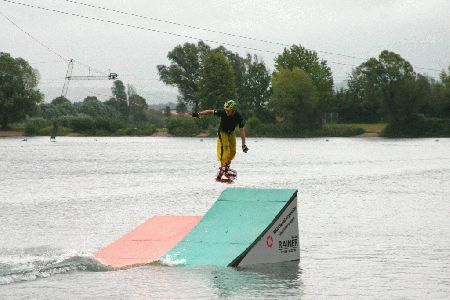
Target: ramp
<point>243,227</point>
<point>148,242</point>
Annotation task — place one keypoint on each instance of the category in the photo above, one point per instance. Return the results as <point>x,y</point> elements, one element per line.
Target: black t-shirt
<point>229,123</point>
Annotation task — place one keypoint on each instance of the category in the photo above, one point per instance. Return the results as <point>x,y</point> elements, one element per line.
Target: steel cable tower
<point>69,77</point>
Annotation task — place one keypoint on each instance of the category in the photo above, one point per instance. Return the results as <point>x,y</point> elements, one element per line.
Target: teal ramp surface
<point>236,220</point>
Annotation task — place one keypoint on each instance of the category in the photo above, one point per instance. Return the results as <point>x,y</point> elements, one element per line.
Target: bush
<point>182,126</point>
<point>147,129</point>
<point>98,132</point>
<point>104,126</point>
<point>256,127</point>
<point>137,131</point>
<point>108,124</point>
<point>63,130</point>
<point>48,130</point>
<point>419,127</point>
<point>436,127</point>
<point>155,118</point>
<point>86,124</point>
<point>208,122</point>
<point>93,107</point>
<point>19,126</point>
<point>79,123</point>
<point>338,130</point>
<point>33,126</point>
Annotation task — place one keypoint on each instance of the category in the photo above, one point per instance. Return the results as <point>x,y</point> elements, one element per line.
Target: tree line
<point>125,113</point>
<point>297,98</point>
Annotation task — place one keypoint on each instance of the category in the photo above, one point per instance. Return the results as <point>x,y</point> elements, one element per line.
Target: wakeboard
<point>225,180</point>
<point>229,177</point>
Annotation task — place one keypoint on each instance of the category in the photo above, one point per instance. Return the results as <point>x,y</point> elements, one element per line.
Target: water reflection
<point>265,280</point>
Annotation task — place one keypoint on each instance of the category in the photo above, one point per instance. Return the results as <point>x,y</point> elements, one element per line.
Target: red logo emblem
<point>269,241</point>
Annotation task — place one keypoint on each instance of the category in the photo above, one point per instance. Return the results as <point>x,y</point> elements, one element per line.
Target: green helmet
<point>230,104</point>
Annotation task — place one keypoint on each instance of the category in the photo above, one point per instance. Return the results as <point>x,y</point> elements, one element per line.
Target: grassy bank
<point>327,130</point>
<point>370,128</point>
<point>419,127</point>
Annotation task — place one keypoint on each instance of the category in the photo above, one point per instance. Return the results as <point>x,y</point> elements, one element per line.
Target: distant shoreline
<point>10,133</point>
<point>162,133</point>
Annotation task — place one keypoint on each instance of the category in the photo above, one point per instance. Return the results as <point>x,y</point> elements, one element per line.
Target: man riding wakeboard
<point>226,136</point>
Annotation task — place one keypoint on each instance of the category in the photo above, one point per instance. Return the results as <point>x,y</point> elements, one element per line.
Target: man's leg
<point>232,146</point>
<point>222,152</point>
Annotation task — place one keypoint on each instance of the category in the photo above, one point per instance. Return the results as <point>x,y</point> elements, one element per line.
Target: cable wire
<point>64,59</point>
<point>153,30</point>
<point>201,28</point>
<point>181,35</point>
<point>35,39</point>
<point>216,31</point>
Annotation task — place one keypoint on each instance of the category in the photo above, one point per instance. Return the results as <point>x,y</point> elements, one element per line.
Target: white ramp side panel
<point>280,243</point>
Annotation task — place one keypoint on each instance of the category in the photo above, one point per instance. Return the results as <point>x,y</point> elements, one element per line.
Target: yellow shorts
<point>226,147</point>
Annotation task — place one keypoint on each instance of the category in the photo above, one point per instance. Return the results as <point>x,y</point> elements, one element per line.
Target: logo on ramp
<point>269,241</point>
<point>289,245</point>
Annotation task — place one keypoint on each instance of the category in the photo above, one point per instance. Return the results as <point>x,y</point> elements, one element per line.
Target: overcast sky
<point>343,32</point>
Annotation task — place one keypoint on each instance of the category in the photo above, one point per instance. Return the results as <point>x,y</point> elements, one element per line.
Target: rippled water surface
<point>374,216</point>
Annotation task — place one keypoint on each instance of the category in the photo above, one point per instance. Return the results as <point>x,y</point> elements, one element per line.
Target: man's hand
<point>195,115</point>
<point>244,148</point>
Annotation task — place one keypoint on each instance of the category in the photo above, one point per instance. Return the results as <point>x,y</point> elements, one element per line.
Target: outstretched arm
<point>203,113</point>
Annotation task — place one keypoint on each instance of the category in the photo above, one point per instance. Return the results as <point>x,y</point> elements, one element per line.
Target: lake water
<point>374,216</point>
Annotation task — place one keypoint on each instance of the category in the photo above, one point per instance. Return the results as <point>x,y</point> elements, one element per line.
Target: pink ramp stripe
<point>148,242</point>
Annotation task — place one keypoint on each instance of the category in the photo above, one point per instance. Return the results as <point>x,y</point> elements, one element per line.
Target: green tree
<point>348,107</point>
<point>49,111</point>
<point>118,90</point>
<point>58,107</point>
<point>364,95</point>
<point>187,68</point>
<point>406,100</point>
<point>255,92</point>
<point>217,82</point>
<point>19,95</point>
<point>137,107</point>
<point>155,118</point>
<point>182,126</point>
<point>443,98</point>
<point>294,100</point>
<point>137,102</point>
<point>438,99</point>
<point>167,111</point>
<point>184,70</point>
<point>394,75</point>
<point>318,71</point>
<point>93,107</point>
<point>61,100</point>
<point>181,106</point>
<point>119,100</point>
<point>251,81</point>
<point>63,106</point>
<point>391,78</point>
<point>239,66</point>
